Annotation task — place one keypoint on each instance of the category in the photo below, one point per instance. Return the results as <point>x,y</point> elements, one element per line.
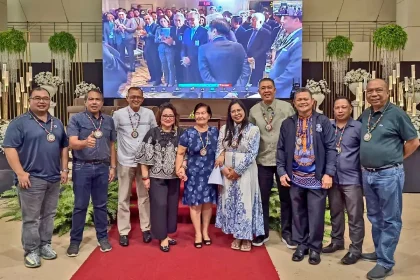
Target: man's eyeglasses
<point>38,99</point>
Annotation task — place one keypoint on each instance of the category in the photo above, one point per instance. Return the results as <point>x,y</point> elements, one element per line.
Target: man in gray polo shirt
<point>388,136</point>
<point>36,149</point>
<point>132,123</point>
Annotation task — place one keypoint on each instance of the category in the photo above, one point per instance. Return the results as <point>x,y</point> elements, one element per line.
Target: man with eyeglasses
<point>132,123</point>
<point>36,148</point>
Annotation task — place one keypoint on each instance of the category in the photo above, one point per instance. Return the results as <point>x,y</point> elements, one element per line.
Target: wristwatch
<point>112,167</point>
<point>65,170</point>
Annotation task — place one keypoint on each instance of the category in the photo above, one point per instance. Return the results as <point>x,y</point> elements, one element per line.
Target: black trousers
<point>164,195</point>
<point>349,197</point>
<point>153,63</point>
<point>308,217</point>
<point>266,179</point>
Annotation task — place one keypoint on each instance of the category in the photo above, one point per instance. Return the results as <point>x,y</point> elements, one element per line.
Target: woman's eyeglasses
<point>168,116</point>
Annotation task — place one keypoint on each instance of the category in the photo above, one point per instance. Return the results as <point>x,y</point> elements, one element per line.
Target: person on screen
<point>177,33</point>
<point>258,43</point>
<point>287,66</point>
<point>151,53</point>
<point>222,61</point>
<point>114,71</point>
<point>239,31</point>
<point>125,29</point>
<point>109,30</point>
<point>194,37</point>
<point>231,36</point>
<point>166,50</point>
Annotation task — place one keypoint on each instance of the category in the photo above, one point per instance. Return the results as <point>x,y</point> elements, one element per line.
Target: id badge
<point>180,38</point>
<point>197,43</point>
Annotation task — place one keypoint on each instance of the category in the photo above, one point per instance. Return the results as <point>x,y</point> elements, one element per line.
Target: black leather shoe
<point>164,248</point>
<point>172,242</point>
<point>147,237</point>
<point>350,258</point>
<point>370,257</point>
<point>332,248</point>
<point>299,255</point>
<point>314,258</point>
<point>124,240</point>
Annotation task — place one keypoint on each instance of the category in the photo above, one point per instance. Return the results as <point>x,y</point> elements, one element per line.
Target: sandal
<point>246,246</point>
<point>198,245</point>
<point>207,242</point>
<point>236,244</point>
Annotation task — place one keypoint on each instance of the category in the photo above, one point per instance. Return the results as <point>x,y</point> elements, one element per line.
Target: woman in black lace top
<point>156,156</point>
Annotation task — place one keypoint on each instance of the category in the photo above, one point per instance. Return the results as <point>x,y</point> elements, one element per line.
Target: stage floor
<point>407,255</point>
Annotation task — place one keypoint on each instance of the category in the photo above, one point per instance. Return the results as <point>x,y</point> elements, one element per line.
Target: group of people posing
<point>309,155</point>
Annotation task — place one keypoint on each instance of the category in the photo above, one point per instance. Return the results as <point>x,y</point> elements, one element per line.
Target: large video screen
<point>201,51</point>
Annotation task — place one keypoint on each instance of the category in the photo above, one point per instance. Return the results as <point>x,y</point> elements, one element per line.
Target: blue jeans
<point>383,192</point>
<point>89,180</point>
<point>167,59</point>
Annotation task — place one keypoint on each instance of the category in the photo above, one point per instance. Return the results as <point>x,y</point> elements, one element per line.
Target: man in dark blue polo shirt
<point>388,136</point>
<point>36,149</point>
<point>347,192</point>
<point>92,138</point>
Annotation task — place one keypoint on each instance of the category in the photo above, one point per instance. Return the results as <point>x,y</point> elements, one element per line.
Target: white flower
<point>410,87</point>
<point>47,78</point>
<point>83,88</point>
<point>356,76</point>
<point>3,127</point>
<point>318,87</point>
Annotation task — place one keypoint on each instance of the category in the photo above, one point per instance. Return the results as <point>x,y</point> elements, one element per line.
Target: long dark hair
<point>230,124</point>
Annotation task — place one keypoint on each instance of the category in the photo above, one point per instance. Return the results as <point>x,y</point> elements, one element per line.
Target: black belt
<point>91,161</point>
<point>382,167</point>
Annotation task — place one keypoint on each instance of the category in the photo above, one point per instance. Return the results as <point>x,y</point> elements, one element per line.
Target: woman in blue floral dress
<point>239,208</point>
<point>199,144</point>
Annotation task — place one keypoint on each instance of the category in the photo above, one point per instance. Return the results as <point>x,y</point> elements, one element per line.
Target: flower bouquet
<point>83,88</point>
<point>3,127</point>
<point>47,78</point>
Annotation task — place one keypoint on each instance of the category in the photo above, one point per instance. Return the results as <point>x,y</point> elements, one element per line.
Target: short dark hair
<point>200,105</point>
<point>303,89</point>
<point>221,26</point>
<point>265,80</point>
<point>162,108</point>
<point>39,89</point>
<point>97,90</point>
<point>342,97</point>
<point>237,19</point>
<point>134,88</point>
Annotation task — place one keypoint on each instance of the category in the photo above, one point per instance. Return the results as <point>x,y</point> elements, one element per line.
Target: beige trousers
<point>125,178</point>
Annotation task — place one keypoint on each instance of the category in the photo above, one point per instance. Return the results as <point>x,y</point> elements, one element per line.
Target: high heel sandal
<point>207,242</point>
<point>198,245</point>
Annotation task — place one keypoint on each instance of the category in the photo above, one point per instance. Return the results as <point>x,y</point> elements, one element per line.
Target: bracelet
<point>112,167</point>
<point>145,178</point>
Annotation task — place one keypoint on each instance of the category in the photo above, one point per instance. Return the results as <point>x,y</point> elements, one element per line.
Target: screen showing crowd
<point>202,52</point>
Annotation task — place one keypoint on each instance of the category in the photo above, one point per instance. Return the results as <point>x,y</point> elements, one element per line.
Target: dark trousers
<point>349,197</point>
<point>89,180</point>
<point>258,72</point>
<point>193,73</point>
<point>265,180</point>
<point>129,46</point>
<point>308,217</point>
<point>164,196</point>
<point>179,69</point>
<point>153,63</point>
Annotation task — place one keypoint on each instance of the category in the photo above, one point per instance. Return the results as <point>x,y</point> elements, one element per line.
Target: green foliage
<point>275,209</point>
<point>63,42</point>
<point>63,218</point>
<point>12,41</point>
<point>390,37</point>
<point>339,47</point>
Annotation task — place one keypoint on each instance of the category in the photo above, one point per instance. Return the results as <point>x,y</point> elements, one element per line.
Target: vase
<point>319,98</point>
<point>353,88</point>
<point>52,90</point>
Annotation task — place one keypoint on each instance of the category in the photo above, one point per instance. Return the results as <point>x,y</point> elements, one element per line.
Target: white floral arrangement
<point>318,87</point>
<point>357,76</point>
<point>47,78</point>
<point>83,88</point>
<point>416,86</point>
<point>3,127</point>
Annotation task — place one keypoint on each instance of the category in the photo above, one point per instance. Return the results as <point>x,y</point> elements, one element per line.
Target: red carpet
<point>146,261</point>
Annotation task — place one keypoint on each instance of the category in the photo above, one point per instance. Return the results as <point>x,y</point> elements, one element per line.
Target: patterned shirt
<point>268,142</point>
<point>304,156</point>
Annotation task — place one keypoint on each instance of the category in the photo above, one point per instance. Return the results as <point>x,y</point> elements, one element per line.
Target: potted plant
<point>83,88</point>
<point>63,47</point>
<point>319,90</point>
<point>12,45</point>
<point>339,50</point>
<point>6,173</point>
<point>390,39</point>
<point>354,77</point>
